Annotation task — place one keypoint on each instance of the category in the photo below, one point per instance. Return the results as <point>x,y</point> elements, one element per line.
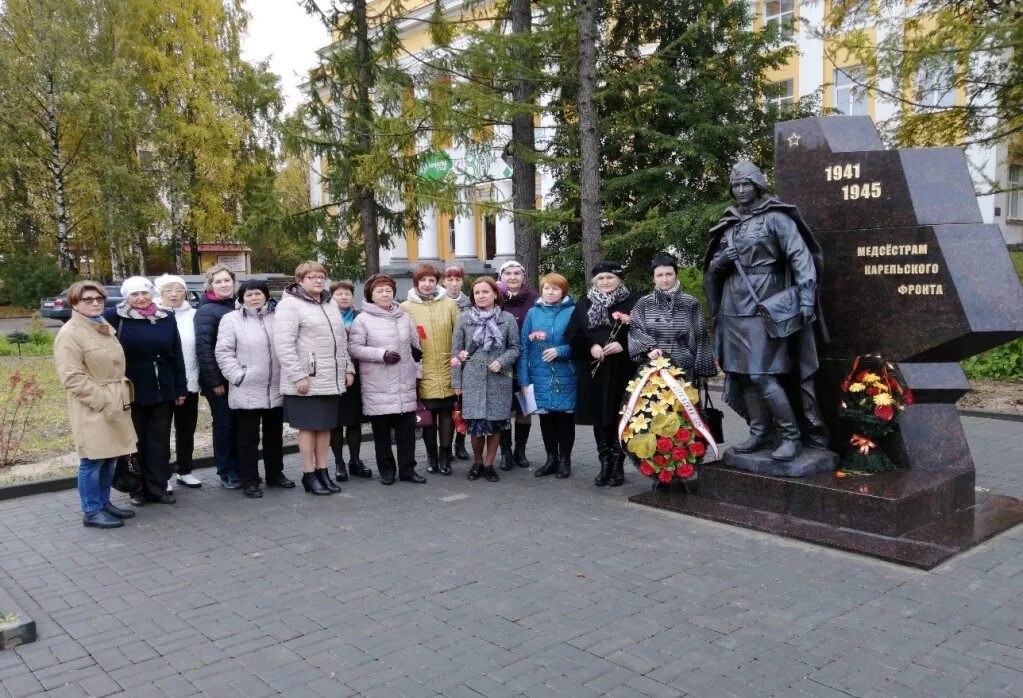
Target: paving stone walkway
<point>526,587</point>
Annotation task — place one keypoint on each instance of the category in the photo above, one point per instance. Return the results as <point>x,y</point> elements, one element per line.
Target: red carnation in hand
<point>885,412</point>
<point>660,460</point>
<point>685,470</point>
<point>679,453</point>
<point>664,444</point>
<point>646,468</point>
<point>698,449</point>
<point>908,396</point>
<point>665,476</point>
<point>683,435</point>
<point>421,331</point>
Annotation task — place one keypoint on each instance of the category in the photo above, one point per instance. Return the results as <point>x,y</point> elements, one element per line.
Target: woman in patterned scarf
<point>484,349</point>
<point>598,334</point>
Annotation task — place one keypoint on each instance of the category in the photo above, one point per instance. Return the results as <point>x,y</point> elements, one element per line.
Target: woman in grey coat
<point>246,357</point>
<point>484,349</point>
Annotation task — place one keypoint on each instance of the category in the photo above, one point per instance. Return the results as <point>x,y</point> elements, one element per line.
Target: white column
<point>399,252</point>
<point>465,236</point>
<point>429,244</point>
<point>505,225</point>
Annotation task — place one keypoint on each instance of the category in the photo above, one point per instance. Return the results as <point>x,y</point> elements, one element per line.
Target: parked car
<point>57,307</point>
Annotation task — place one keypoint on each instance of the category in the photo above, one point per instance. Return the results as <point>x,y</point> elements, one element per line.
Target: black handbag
<point>781,313</point>
<point>713,417</point>
<point>127,475</point>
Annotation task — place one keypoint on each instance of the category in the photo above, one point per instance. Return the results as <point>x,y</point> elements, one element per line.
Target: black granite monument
<point>912,273</point>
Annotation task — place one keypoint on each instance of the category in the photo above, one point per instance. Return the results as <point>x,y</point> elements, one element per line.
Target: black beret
<point>608,267</point>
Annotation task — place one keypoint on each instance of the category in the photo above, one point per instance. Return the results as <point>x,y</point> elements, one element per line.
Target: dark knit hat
<point>608,267</point>
<point>253,285</point>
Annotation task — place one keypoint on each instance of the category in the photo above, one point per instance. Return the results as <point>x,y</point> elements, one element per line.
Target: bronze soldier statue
<point>762,250</point>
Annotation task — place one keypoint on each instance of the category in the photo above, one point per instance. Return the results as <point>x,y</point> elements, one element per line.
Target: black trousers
<point>246,433</point>
<point>558,431</point>
<point>152,429</point>
<point>186,416</point>
<point>404,427</point>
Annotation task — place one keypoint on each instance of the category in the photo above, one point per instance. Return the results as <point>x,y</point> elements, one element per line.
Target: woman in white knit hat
<point>156,368</point>
<point>173,295</point>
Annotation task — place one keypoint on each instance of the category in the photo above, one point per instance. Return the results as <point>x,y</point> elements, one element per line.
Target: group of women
<point>494,355</point>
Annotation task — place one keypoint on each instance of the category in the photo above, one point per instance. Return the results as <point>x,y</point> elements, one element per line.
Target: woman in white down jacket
<point>246,357</point>
<point>312,346</point>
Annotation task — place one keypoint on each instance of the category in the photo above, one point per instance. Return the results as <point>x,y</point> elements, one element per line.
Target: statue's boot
<point>785,425</point>
<point>759,425</point>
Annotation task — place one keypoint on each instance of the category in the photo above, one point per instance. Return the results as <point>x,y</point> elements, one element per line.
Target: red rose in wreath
<point>664,444</point>
<point>679,453</point>
<point>664,476</point>
<point>646,468</point>
<point>685,470</point>
<point>698,449</point>
<point>660,460</point>
<point>683,435</point>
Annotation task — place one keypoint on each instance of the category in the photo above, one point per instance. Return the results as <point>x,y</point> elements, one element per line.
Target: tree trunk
<point>175,242</point>
<point>589,136</point>
<point>365,199</point>
<point>527,248</point>
<point>193,242</point>
<point>66,260</point>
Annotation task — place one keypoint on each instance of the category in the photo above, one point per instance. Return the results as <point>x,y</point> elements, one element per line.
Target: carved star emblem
<point>793,140</point>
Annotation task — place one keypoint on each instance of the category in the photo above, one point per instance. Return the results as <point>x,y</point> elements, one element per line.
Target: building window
<point>779,95</point>
<point>850,97</point>
<point>1015,182</point>
<point>782,14</point>
<point>935,82</point>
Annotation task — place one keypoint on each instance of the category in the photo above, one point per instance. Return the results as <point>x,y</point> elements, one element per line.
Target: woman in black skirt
<point>312,345</point>
<point>350,410</point>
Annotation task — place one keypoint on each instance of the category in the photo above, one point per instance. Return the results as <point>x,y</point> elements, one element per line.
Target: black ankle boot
<point>604,455</point>
<point>324,477</point>
<point>521,437</point>
<point>475,471</point>
<point>431,453</point>
<point>549,467</point>
<point>312,484</point>
<point>507,463</point>
<point>358,469</point>
<point>617,475</point>
<point>460,452</point>
<point>444,461</point>
<point>564,467</point>
<point>342,472</point>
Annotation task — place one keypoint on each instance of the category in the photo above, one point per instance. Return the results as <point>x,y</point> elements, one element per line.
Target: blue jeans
<point>94,478</point>
<point>224,453</point>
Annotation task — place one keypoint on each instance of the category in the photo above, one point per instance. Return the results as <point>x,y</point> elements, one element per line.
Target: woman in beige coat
<point>90,363</point>
<point>312,345</point>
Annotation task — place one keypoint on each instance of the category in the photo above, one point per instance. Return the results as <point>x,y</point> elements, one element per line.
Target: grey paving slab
<point>525,587</point>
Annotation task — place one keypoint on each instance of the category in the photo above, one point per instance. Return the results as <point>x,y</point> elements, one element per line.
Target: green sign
<point>435,166</point>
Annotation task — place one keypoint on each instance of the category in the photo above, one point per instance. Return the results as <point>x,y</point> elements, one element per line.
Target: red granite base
<point>909,518</point>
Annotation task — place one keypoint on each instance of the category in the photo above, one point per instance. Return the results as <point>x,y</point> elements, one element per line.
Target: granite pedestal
<point>912,273</point>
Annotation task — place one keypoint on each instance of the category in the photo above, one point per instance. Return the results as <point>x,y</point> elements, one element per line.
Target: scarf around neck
<point>668,297</point>
<point>600,304</point>
<point>486,334</point>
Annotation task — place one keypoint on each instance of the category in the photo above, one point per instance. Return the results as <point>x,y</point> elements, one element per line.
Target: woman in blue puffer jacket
<point>546,363</point>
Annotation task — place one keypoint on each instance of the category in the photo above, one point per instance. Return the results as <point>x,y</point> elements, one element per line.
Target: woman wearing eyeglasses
<point>312,345</point>
<point>156,368</point>
<point>90,363</point>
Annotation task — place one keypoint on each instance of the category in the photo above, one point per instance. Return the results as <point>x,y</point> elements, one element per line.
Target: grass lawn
<point>12,311</point>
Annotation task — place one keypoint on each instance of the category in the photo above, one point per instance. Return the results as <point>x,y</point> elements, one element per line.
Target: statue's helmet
<point>744,170</point>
